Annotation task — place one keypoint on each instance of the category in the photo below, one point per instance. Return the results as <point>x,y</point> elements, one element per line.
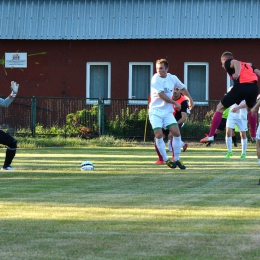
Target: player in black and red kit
<point>245,87</point>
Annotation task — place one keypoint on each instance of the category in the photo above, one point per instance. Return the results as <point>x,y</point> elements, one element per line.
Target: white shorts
<point>258,132</point>
<point>240,123</point>
<point>161,119</point>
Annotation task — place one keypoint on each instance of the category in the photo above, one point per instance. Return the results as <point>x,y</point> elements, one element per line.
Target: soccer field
<point>128,207</point>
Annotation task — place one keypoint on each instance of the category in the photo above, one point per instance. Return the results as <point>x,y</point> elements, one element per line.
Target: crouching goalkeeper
<point>5,138</point>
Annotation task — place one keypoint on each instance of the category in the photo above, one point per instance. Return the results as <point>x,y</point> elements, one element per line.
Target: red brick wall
<point>61,71</point>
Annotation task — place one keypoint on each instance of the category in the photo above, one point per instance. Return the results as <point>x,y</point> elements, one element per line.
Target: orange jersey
<point>247,74</point>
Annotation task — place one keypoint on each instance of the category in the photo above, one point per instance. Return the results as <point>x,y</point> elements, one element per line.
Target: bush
<point>58,141</point>
<point>129,124</point>
<point>83,123</point>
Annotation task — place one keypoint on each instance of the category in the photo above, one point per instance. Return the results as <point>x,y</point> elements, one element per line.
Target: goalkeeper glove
<point>14,88</point>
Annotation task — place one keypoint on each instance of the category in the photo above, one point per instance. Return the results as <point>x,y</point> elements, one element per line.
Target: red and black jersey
<point>247,74</point>
<point>184,106</point>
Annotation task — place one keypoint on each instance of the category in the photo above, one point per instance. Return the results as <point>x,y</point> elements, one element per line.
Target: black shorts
<point>222,124</point>
<point>165,132</point>
<point>239,92</point>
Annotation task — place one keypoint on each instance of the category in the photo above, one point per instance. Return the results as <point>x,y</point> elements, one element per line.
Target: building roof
<point>129,19</point>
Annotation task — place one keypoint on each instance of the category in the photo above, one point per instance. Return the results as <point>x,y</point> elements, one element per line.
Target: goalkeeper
<point>5,138</point>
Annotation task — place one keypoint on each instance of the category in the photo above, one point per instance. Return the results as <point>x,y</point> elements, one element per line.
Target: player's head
<point>227,55</point>
<point>176,92</point>
<point>164,62</point>
<point>162,67</point>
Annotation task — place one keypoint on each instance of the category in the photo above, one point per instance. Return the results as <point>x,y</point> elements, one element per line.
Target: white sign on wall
<point>16,60</point>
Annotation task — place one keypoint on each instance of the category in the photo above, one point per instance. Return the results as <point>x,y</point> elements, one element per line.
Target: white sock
<point>244,145</point>
<point>177,147</point>
<point>229,143</point>
<point>169,145</point>
<point>161,147</point>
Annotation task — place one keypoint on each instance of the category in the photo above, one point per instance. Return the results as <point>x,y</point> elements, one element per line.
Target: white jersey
<point>239,114</point>
<point>166,85</point>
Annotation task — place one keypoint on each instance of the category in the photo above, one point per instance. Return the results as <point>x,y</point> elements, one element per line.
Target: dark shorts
<point>239,92</point>
<point>7,139</point>
<point>222,124</point>
<point>165,132</point>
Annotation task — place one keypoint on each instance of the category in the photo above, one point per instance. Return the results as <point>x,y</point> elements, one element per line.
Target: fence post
<point>33,116</point>
<point>101,116</point>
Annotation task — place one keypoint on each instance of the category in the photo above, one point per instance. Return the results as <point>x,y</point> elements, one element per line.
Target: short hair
<point>163,61</point>
<point>227,54</point>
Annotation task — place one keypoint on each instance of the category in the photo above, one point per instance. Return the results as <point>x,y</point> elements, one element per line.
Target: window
<point>229,82</point>
<point>98,81</point>
<point>140,74</point>
<point>196,80</point>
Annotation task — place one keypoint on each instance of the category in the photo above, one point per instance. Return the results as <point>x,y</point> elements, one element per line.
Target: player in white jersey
<point>237,116</point>
<point>161,110</point>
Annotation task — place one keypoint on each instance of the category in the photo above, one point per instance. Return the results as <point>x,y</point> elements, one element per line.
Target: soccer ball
<point>87,166</point>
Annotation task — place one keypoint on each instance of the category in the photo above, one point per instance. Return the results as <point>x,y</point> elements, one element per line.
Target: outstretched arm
<point>6,102</point>
<point>186,93</point>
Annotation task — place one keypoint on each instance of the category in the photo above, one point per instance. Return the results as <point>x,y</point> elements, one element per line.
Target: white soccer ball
<point>87,166</point>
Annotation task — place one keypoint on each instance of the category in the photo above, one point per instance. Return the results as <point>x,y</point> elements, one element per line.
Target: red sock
<point>158,153</point>
<point>252,121</point>
<point>215,123</point>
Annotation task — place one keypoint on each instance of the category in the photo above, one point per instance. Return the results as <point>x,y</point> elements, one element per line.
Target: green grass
<point>128,207</point>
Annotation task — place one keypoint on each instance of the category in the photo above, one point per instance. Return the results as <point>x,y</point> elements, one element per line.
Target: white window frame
<point>186,65</point>
<point>131,98</point>
<point>88,101</point>
<point>228,82</point>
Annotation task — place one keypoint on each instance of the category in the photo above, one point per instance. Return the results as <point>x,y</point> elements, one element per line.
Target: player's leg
<point>174,129</point>
<point>184,145</point>
<point>234,136</point>
<point>160,159</point>
<point>160,143</point>
<point>258,143</point>
<point>252,121</point>
<point>243,144</point>
<point>229,99</point>
<point>157,123</point>
<point>250,93</point>
<point>228,139</point>
<point>214,123</point>
<point>11,144</point>
<point>242,127</point>
<point>170,142</point>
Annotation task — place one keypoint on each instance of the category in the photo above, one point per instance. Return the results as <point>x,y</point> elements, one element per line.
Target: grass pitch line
<point>214,181</point>
<point>134,233</point>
